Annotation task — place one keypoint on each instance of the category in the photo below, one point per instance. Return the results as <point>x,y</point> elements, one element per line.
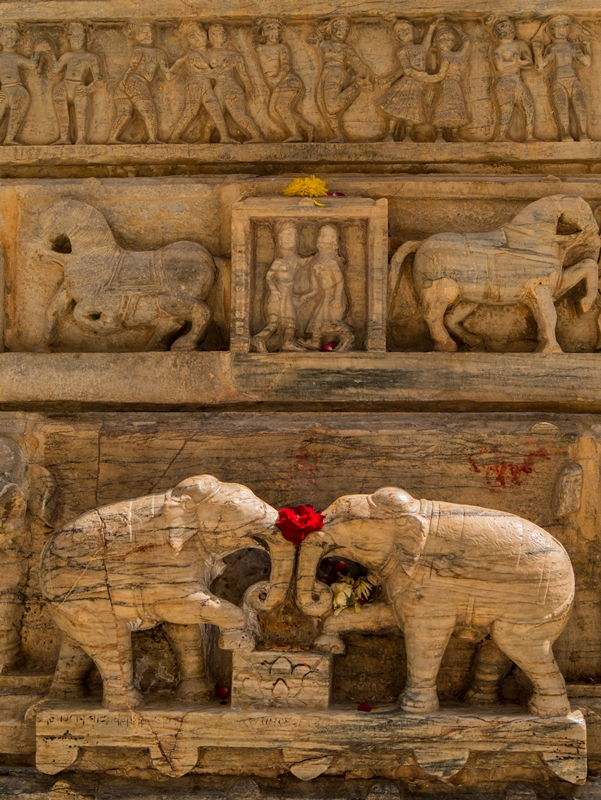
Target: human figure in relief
<point>199,87</point>
<point>403,103</point>
<point>284,84</point>
<point>566,89</point>
<point>133,92</point>
<point>82,76</point>
<point>229,68</point>
<point>279,308</point>
<point>510,57</point>
<point>328,295</point>
<point>344,74</point>
<point>14,97</point>
<point>449,111</point>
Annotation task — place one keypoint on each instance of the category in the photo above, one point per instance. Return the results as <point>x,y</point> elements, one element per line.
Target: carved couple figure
<point>326,297</point>
<point>136,564</point>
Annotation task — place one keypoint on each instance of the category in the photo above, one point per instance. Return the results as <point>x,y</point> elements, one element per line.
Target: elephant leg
<point>453,322</point>
<point>586,270</point>
<point>530,647</point>
<point>491,666</point>
<point>426,639</point>
<point>373,617</point>
<point>539,299</point>
<point>71,668</point>
<point>186,643</point>
<point>205,607</point>
<point>165,328</point>
<point>436,299</point>
<point>201,316</point>
<point>107,640</point>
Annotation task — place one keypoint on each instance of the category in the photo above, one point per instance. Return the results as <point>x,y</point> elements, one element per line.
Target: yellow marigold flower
<point>306,187</point>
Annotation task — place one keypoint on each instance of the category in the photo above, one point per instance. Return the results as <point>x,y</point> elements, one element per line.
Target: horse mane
<point>85,227</point>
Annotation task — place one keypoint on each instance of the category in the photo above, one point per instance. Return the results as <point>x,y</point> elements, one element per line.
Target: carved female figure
<point>449,111</point>
<point>133,92</point>
<point>404,101</point>
<point>510,57</point>
<point>566,88</point>
<point>82,76</point>
<point>228,65</point>
<point>14,97</point>
<point>344,74</point>
<point>199,88</point>
<point>285,86</point>
<point>328,292</point>
<point>280,311</point>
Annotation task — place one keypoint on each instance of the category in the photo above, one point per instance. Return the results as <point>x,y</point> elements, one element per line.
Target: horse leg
<point>586,270</point>
<point>165,328</point>
<point>539,299</point>
<point>455,317</point>
<point>200,316</point>
<point>436,299</point>
<point>58,305</point>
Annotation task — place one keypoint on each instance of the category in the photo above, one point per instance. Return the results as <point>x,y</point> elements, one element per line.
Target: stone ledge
<point>427,381</point>
<point>234,157</point>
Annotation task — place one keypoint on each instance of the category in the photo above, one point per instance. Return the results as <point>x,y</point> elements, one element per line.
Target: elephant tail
<point>394,274</point>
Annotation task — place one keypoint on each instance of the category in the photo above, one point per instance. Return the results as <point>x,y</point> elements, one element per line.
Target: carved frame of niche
<point>369,219</point>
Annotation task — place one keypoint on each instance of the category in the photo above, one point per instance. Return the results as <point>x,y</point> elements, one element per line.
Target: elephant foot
<point>237,640</point>
<point>194,690</point>
<point>419,701</point>
<point>65,691</point>
<point>482,697</point>
<point>549,705</point>
<point>122,701</point>
<point>329,643</point>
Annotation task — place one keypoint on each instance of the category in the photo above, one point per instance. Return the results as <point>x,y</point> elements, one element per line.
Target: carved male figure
<point>327,295</point>
<point>14,97</point>
<point>82,76</point>
<point>449,111</point>
<point>138,563</point>
<point>510,57</point>
<point>566,89</point>
<point>446,566</point>
<point>229,66</point>
<point>133,92</point>
<point>279,308</point>
<point>344,74</point>
<point>285,86</point>
<point>199,86</point>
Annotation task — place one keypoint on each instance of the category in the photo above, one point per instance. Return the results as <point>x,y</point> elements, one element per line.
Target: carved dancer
<point>133,92</point>
<point>199,87</point>
<point>14,97</point>
<point>510,57</point>
<point>449,112</point>
<point>286,87</point>
<point>328,291</point>
<point>403,103</point>
<point>280,312</point>
<point>344,74</point>
<point>229,65</point>
<point>82,76</point>
<point>566,88</point>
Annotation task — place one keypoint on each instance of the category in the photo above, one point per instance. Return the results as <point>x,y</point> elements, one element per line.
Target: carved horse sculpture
<point>521,262</point>
<point>110,289</point>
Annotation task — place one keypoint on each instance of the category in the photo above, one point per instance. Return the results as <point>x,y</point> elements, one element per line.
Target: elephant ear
<point>180,520</point>
<point>411,533</point>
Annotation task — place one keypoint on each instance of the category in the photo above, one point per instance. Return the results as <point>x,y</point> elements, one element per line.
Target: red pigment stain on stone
<point>501,472</point>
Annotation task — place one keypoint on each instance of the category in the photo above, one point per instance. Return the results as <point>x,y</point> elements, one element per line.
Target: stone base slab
<point>310,740</point>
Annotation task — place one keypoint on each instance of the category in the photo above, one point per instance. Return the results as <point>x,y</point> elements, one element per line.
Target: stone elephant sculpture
<point>446,566</point>
<point>546,250</point>
<point>135,564</point>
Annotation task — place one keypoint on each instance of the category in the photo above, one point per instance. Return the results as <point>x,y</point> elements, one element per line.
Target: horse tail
<point>394,275</point>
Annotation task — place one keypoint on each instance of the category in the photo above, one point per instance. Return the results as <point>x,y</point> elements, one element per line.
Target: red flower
<point>221,691</point>
<point>364,707</point>
<point>296,522</point>
<point>327,348</point>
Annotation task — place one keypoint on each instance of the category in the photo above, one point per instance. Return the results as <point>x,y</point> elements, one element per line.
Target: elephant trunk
<point>313,597</point>
<point>267,595</point>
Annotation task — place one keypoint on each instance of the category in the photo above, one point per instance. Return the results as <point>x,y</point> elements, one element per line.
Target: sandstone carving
<point>132,565</point>
<point>286,88</point>
<point>449,112</point>
<point>81,75</point>
<point>14,97</point>
<point>510,56</point>
<point>445,566</point>
<point>107,288</point>
<point>524,261</point>
<point>561,55</point>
